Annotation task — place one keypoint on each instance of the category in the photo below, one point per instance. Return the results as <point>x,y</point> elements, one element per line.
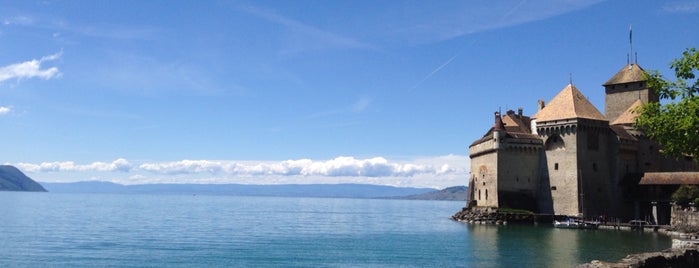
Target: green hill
<point>454,193</point>
<point>12,179</point>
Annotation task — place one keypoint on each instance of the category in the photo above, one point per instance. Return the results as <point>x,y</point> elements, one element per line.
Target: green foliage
<point>685,194</point>
<point>674,125</point>
<point>696,202</point>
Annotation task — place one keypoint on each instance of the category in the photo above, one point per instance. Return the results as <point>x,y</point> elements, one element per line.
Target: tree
<point>675,124</point>
<point>685,194</point>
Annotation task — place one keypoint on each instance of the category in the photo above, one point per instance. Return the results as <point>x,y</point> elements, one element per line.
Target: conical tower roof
<point>628,74</point>
<point>629,116</point>
<point>569,103</point>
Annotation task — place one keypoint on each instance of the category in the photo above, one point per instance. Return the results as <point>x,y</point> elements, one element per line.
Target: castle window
<point>479,194</point>
<point>553,188</point>
<point>555,166</point>
<point>486,194</point>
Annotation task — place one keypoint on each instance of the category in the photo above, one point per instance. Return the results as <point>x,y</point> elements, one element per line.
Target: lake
<point>88,230</point>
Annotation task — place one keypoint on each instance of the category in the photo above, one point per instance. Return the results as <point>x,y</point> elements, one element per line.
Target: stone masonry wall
<point>687,218</point>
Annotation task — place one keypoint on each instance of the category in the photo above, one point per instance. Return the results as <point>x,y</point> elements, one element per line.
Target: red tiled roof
<point>569,103</point>
<point>629,116</point>
<point>630,73</point>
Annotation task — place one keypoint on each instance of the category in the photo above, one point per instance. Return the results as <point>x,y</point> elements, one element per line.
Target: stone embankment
<point>674,257</point>
<point>484,215</point>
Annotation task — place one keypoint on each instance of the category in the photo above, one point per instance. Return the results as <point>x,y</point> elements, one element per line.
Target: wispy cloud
<point>683,7</point>
<point>436,171</point>
<point>30,69</point>
<point>309,37</point>
<point>359,106</point>
<point>436,70</point>
<point>5,110</point>
<point>460,18</point>
<point>18,20</point>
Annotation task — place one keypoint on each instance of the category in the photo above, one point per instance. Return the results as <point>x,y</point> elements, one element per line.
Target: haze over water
<point>88,230</point>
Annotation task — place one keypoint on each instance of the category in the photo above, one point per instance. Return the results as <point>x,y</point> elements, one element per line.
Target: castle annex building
<point>571,159</point>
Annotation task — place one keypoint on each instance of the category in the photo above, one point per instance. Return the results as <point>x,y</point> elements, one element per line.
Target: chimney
<point>541,104</point>
<point>499,126</point>
<point>519,112</point>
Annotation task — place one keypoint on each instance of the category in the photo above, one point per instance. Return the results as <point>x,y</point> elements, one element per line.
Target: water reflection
<point>544,246</point>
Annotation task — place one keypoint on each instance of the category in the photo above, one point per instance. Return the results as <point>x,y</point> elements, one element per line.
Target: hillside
<point>12,179</point>
<point>455,193</point>
<point>288,190</point>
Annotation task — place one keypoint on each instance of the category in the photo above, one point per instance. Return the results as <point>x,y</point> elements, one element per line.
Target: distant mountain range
<point>454,193</point>
<point>287,190</point>
<point>12,179</point>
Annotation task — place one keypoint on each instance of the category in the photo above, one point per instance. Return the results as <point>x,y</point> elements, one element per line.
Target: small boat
<point>575,224</point>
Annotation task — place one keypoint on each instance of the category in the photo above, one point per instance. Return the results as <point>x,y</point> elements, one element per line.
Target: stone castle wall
<point>484,171</point>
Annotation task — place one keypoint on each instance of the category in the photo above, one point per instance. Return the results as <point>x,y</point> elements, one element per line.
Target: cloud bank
<point>431,172</point>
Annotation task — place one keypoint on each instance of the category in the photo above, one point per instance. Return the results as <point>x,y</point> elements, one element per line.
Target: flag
<point>630,34</point>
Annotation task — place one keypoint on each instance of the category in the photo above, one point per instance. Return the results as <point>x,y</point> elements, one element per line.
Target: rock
<point>687,257</point>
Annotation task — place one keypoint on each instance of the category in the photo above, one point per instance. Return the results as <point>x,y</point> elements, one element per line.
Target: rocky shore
<point>674,257</point>
<point>478,215</point>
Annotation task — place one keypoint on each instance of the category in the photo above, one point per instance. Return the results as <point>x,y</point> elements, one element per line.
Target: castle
<point>569,158</point>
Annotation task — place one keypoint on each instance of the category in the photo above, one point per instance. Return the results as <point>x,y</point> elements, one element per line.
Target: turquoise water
<point>89,230</point>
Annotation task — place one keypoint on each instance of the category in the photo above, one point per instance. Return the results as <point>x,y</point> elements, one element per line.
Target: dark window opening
<point>486,194</point>
<point>555,166</point>
<point>553,188</point>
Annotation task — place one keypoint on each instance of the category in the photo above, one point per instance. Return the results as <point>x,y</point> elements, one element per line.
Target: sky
<point>270,92</point>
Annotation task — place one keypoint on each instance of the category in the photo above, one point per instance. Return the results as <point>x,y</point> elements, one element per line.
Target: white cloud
<point>30,69</point>
<point>338,167</point>
<point>5,110</point>
<point>436,172</point>
<point>70,166</point>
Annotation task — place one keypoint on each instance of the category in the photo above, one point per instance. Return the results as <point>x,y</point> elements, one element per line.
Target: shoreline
<point>684,251</point>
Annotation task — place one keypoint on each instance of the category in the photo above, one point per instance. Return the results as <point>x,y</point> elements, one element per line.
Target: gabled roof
<point>629,116</point>
<point>569,103</point>
<point>630,73</point>
<point>516,123</point>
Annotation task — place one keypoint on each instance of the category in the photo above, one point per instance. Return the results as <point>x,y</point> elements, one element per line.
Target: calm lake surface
<point>88,230</point>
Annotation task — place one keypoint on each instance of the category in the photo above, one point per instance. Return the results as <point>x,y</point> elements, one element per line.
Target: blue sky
<point>382,92</point>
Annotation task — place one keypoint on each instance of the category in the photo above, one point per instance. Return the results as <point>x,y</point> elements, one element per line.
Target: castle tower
<point>624,88</point>
<point>575,138</point>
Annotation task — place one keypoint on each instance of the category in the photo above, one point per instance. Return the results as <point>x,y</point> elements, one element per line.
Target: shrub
<point>686,194</point>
